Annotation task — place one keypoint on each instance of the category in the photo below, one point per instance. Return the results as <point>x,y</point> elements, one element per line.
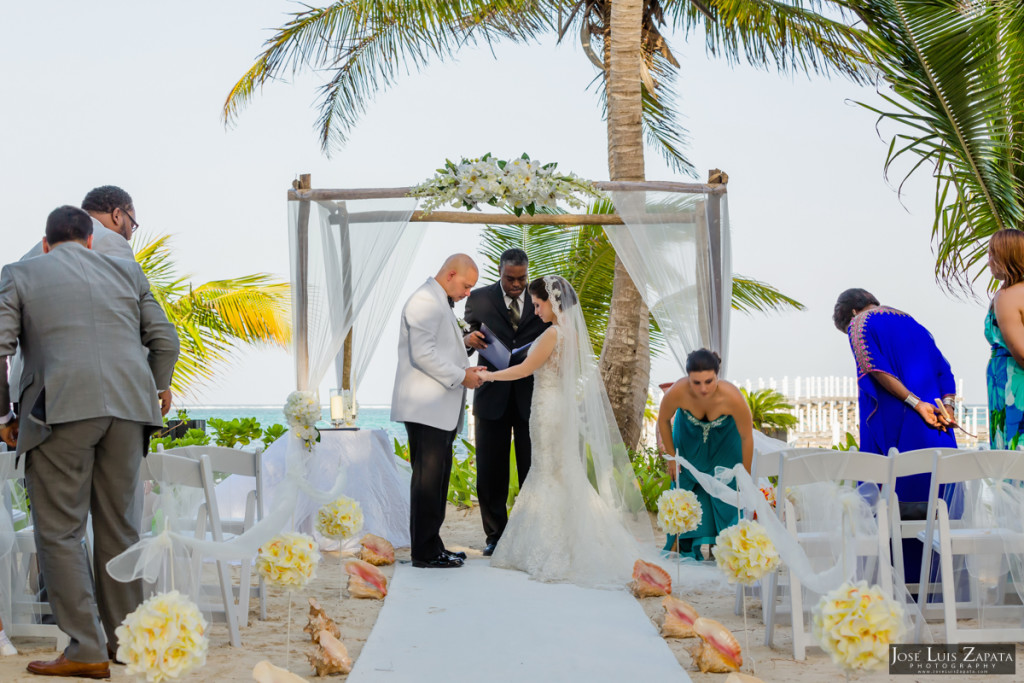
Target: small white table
<point>375,477</point>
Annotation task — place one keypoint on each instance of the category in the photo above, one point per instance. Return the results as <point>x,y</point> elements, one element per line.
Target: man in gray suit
<point>113,223</point>
<point>97,349</point>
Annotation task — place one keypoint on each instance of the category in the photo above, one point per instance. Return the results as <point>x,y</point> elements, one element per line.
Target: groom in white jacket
<point>430,397</point>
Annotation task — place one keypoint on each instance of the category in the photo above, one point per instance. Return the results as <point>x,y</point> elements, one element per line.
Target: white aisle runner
<point>476,622</point>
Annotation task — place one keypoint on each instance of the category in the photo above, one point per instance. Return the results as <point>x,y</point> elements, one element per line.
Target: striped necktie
<point>513,313</point>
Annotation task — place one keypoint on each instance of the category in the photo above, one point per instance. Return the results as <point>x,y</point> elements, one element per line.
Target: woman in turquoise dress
<point>1004,330</point>
<point>708,422</point>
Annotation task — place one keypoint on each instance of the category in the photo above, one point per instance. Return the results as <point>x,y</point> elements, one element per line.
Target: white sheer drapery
<point>676,248</point>
<point>374,315</point>
<point>340,271</point>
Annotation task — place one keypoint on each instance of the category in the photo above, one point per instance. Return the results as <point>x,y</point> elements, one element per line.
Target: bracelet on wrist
<point>911,400</point>
<point>949,401</point>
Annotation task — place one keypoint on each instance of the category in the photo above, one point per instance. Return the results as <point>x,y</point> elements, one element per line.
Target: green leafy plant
<point>769,410</point>
<point>402,450</point>
<point>182,415</point>
<point>273,433</point>
<point>241,431</point>
<point>848,444</point>
<point>513,479</point>
<point>193,437</point>
<point>651,475</point>
<point>462,484</point>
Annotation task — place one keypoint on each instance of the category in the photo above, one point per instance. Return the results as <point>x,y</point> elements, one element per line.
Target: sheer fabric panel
<point>676,248</point>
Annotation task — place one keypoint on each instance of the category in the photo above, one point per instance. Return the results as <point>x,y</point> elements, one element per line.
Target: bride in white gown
<point>579,517</point>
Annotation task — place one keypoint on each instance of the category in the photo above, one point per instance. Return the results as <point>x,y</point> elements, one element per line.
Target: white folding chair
<point>21,606</point>
<point>175,470</point>
<point>948,540</point>
<point>905,464</point>
<point>237,462</point>
<point>810,466</point>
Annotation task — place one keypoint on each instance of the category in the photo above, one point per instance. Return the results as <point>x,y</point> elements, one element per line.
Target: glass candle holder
<point>337,407</point>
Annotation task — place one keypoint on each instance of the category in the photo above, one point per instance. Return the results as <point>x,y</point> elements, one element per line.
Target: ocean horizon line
<point>264,406</point>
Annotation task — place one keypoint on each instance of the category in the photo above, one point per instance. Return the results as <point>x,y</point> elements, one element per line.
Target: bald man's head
<point>457,276</point>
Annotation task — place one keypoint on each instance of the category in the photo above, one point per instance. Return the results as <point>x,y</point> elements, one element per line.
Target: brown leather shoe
<point>63,667</point>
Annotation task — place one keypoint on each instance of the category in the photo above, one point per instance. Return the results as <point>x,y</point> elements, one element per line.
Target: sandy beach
<point>462,531</point>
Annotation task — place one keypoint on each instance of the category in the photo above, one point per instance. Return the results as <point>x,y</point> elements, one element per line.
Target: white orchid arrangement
<point>302,411</point>
<point>521,184</point>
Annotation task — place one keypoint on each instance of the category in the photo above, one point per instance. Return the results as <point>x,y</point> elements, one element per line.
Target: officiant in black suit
<point>501,409</point>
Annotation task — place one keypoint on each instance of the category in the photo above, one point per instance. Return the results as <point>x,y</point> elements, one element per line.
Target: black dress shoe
<point>489,549</point>
<point>440,562</point>
<point>459,554</point>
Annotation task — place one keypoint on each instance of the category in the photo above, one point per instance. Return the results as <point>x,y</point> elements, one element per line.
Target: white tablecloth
<point>375,477</point>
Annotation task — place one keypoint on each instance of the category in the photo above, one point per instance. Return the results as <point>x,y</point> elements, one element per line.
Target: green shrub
<point>193,437</point>
<point>241,431</point>
<point>462,484</point>
<point>273,433</point>
<point>651,474</point>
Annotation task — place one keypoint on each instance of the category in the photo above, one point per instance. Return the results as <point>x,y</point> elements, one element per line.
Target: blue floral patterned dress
<point>1005,390</point>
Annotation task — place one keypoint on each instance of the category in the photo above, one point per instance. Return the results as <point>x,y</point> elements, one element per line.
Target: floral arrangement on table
<point>745,552</point>
<point>856,623</point>
<point>679,512</point>
<point>302,412</point>
<point>340,519</point>
<point>164,638</point>
<point>521,184</point>
<point>288,560</point>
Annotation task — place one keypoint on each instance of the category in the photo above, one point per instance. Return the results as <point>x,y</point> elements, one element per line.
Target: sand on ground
<point>462,531</point>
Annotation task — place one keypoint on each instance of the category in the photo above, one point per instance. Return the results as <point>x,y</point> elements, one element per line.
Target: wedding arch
<point>350,253</point>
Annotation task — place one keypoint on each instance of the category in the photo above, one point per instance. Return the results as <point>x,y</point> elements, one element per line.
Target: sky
<point>130,94</point>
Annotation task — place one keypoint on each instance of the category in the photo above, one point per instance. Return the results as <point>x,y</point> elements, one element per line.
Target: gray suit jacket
<point>94,340</point>
<point>104,241</point>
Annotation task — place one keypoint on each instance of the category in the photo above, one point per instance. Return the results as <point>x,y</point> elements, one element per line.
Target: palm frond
<point>252,309</point>
<point>368,45</point>
<point>789,34</point>
<point>752,296</point>
<point>956,71</point>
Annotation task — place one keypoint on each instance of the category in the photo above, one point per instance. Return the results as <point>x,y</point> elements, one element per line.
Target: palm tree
<point>769,410</point>
<point>213,318</point>
<point>956,69</point>
<point>365,44</point>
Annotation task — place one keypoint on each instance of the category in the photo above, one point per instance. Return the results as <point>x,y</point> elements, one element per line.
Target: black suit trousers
<point>430,454</point>
<point>493,438</point>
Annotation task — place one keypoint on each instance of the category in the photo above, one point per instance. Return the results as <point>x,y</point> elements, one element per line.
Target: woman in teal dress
<point>707,421</point>
<point>1004,330</point>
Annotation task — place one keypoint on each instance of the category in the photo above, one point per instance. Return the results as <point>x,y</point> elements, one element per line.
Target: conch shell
<point>718,651</point>
<point>679,618</point>
<point>330,656</point>
<point>265,672</point>
<point>377,550</point>
<point>365,580</point>
<point>650,580</point>
<point>319,621</point>
<point>742,678</point>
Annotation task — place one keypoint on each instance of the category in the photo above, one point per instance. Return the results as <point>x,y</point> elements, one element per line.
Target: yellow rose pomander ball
<point>288,560</point>
<point>679,512</point>
<point>745,553</point>
<point>164,638</point>
<point>340,519</point>
<point>855,624</point>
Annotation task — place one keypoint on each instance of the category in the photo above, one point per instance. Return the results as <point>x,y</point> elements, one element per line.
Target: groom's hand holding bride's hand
<point>473,379</point>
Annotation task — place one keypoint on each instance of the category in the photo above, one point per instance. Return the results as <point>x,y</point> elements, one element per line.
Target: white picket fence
<point>826,409</point>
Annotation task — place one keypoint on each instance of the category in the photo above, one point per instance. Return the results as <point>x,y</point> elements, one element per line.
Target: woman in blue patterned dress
<point>900,375</point>
<point>1004,330</point>
<point>708,422</point>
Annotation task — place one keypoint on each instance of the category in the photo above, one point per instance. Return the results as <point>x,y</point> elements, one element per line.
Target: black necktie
<point>513,313</point>
<point>451,302</point>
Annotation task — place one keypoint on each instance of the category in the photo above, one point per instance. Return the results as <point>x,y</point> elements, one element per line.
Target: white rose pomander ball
<point>340,519</point>
<point>745,552</point>
<point>855,624</point>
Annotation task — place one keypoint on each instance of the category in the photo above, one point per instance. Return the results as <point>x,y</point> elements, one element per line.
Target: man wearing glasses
<point>113,222</point>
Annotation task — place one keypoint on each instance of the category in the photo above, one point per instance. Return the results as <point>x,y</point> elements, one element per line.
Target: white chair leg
<point>796,602</point>
<point>768,609</point>
<point>227,596</point>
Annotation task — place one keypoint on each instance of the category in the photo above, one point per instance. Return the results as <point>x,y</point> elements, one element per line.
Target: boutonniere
<point>463,325</point>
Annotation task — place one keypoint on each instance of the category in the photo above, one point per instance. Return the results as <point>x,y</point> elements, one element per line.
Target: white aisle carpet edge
<point>476,621</point>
